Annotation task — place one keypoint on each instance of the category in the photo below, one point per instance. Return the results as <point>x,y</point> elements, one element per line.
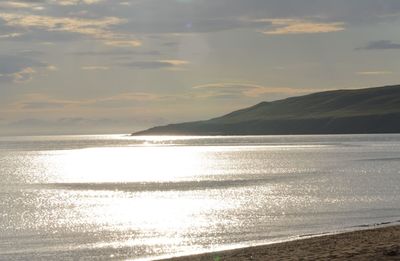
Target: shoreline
<point>381,242</point>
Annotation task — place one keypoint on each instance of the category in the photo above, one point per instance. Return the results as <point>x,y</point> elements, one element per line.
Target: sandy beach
<point>372,244</point>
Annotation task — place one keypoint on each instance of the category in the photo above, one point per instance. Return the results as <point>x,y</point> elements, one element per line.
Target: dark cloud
<point>380,45</point>
<point>28,52</point>
<point>171,44</point>
<point>18,68</point>
<point>8,32</point>
<point>12,64</point>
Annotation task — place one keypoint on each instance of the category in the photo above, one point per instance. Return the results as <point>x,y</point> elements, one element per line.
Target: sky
<point>118,66</point>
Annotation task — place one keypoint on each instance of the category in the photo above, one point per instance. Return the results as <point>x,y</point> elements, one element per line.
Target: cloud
<point>306,16</point>
<point>37,101</point>
<point>75,2</point>
<point>374,73</point>
<point>34,5</point>
<point>44,102</point>
<point>20,69</point>
<point>25,75</point>
<point>299,26</point>
<point>43,105</point>
<point>13,63</point>
<point>29,52</point>
<point>380,45</point>
<point>175,62</point>
<point>36,35</point>
<point>10,35</point>
<point>171,44</point>
<point>235,90</point>
<point>96,28</point>
<point>94,68</point>
<point>164,17</point>
<point>117,52</point>
<point>183,26</point>
<point>161,64</point>
<point>39,4</point>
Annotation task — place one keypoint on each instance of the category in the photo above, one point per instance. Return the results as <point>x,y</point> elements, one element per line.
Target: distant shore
<point>358,111</point>
<point>373,244</point>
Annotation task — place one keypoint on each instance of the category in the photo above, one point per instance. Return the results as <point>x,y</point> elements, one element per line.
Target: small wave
<point>386,223</point>
<point>382,159</point>
<point>159,186</point>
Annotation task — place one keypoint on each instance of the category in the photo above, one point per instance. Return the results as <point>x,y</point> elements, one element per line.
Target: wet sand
<point>373,244</point>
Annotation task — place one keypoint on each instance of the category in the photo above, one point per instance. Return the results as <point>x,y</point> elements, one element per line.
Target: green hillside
<point>372,110</point>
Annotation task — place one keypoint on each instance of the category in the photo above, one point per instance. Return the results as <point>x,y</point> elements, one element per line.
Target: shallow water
<point>120,197</point>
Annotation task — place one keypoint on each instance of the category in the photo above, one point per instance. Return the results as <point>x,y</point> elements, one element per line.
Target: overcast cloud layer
<point>94,66</point>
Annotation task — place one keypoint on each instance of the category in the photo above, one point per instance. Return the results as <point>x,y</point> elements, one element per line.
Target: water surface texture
<point>120,197</point>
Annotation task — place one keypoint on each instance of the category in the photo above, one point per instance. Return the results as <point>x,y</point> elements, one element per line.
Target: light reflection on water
<point>152,164</point>
<point>102,197</point>
<point>124,164</point>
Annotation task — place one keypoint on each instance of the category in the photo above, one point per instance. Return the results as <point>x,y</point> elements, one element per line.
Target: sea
<point>118,197</point>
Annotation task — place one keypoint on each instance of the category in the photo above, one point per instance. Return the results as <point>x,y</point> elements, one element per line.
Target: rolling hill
<point>371,110</point>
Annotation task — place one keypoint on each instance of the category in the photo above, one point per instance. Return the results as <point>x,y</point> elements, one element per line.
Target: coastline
<point>379,243</point>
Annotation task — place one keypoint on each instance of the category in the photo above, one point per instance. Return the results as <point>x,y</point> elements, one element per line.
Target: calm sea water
<point>120,197</point>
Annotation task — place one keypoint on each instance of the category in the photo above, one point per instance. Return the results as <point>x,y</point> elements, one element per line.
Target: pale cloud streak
<point>11,35</point>
<point>374,73</point>
<point>160,64</point>
<point>39,101</point>
<point>75,2</point>
<point>44,102</point>
<point>96,28</point>
<point>39,5</point>
<point>300,26</point>
<point>231,90</point>
<point>21,5</point>
<point>94,68</point>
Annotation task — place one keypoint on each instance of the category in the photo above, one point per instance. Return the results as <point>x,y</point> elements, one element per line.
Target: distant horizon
<point>130,130</point>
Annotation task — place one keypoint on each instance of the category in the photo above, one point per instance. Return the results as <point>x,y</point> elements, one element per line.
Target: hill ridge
<point>369,110</point>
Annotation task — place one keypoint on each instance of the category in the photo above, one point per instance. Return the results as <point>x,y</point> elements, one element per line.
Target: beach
<point>373,244</point>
